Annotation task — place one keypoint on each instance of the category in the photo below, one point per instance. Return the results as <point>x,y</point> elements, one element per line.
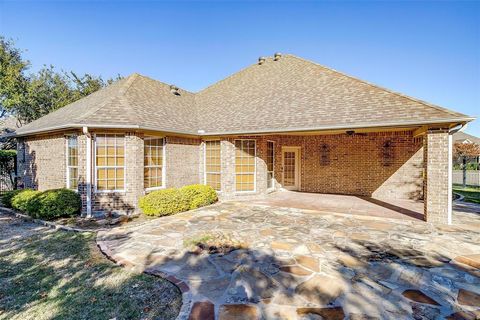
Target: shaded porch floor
<point>345,204</point>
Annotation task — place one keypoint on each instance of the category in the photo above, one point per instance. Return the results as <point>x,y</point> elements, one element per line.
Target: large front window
<point>244,165</point>
<point>153,162</point>
<point>72,162</point>
<point>110,162</point>
<point>212,164</point>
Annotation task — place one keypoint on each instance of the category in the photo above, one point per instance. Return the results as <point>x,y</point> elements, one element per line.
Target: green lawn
<point>48,274</point>
<point>471,194</point>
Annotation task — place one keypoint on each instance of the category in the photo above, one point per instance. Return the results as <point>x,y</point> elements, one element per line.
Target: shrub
<point>21,199</point>
<point>8,196</point>
<point>164,202</point>
<point>199,195</point>
<point>54,203</point>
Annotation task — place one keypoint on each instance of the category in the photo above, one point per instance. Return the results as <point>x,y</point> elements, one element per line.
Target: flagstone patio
<point>304,264</point>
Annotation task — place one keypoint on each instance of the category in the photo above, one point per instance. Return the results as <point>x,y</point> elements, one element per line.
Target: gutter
<point>246,132</point>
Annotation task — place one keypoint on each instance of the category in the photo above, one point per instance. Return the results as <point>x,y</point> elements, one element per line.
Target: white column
<point>450,180</point>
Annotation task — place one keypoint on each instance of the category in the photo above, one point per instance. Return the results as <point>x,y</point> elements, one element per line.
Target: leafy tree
<point>13,82</point>
<point>31,96</point>
<point>465,152</point>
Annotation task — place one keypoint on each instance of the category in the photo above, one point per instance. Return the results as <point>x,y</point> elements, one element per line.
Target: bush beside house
<point>21,200</point>
<point>7,197</point>
<point>49,204</point>
<point>171,201</point>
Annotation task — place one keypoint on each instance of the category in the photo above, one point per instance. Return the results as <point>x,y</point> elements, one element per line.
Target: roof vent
<point>261,60</point>
<point>174,90</point>
<point>277,56</point>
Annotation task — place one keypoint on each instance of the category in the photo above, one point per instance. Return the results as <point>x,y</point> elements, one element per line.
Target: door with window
<point>291,168</point>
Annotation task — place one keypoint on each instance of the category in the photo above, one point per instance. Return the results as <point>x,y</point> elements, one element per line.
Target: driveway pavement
<point>304,264</point>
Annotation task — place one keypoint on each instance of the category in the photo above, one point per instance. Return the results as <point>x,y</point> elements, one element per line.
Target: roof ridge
<point>230,76</point>
<point>377,86</point>
<point>161,82</point>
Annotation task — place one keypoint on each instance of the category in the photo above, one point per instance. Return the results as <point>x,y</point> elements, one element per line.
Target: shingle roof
<point>462,136</point>
<point>290,94</point>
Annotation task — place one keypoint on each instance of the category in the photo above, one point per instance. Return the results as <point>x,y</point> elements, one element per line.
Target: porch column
<point>134,184</point>
<point>437,151</point>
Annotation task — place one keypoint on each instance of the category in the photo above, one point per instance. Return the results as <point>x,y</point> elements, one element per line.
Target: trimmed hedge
<point>21,200</point>
<point>163,202</point>
<point>171,201</point>
<point>199,195</point>
<point>8,196</point>
<point>46,205</point>
<point>54,203</point>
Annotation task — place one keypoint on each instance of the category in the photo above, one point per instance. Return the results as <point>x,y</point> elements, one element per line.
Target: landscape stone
<point>308,262</point>
<point>472,260</point>
<point>296,270</point>
<point>419,296</point>
<point>424,312</point>
<point>349,261</point>
<point>464,315</point>
<point>238,312</point>
<point>281,246</point>
<point>369,261</point>
<point>204,310</point>
<point>468,298</point>
<point>335,313</point>
<point>321,290</point>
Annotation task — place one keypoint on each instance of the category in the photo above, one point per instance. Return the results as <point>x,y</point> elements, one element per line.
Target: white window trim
<point>273,166</point>
<point>255,168</point>
<point>163,164</point>
<point>67,156</point>
<point>205,164</point>
<point>124,164</point>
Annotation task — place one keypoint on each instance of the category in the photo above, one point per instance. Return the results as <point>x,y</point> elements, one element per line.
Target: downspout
<point>88,182</point>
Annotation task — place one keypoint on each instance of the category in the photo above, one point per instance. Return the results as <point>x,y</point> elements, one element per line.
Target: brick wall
<point>437,187</point>
<point>41,162</point>
<point>387,165</point>
<point>182,161</point>
<point>384,165</point>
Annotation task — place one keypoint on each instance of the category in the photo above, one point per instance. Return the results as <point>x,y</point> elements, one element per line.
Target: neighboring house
<point>470,175</point>
<point>465,138</point>
<point>8,125</point>
<point>283,122</point>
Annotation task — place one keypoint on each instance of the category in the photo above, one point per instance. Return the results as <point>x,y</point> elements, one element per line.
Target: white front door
<point>291,168</point>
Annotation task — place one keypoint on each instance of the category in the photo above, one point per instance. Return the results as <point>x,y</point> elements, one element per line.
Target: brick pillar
<point>437,181</point>
<point>228,168</point>
<point>134,187</point>
<point>82,171</point>
<point>261,162</point>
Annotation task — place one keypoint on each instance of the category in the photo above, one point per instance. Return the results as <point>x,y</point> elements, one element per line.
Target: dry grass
<point>48,274</point>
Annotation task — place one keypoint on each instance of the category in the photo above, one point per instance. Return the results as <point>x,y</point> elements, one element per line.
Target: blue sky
<point>429,50</point>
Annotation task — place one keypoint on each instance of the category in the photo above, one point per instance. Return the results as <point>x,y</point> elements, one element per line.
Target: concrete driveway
<point>305,264</point>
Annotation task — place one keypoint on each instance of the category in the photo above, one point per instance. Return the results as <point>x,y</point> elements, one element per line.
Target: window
<point>110,162</point>
<point>153,163</point>
<point>270,164</point>
<point>245,165</point>
<point>212,164</point>
<point>72,162</point>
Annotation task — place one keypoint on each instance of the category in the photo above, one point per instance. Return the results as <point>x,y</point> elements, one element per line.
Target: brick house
<point>283,122</point>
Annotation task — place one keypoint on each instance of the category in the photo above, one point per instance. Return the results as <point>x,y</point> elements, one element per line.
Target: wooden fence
<point>473,177</point>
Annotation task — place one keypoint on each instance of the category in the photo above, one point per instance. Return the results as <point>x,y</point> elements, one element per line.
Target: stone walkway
<point>300,264</point>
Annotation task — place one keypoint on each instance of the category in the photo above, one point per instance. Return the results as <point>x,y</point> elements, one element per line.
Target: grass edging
<point>187,300</point>
<point>46,223</point>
